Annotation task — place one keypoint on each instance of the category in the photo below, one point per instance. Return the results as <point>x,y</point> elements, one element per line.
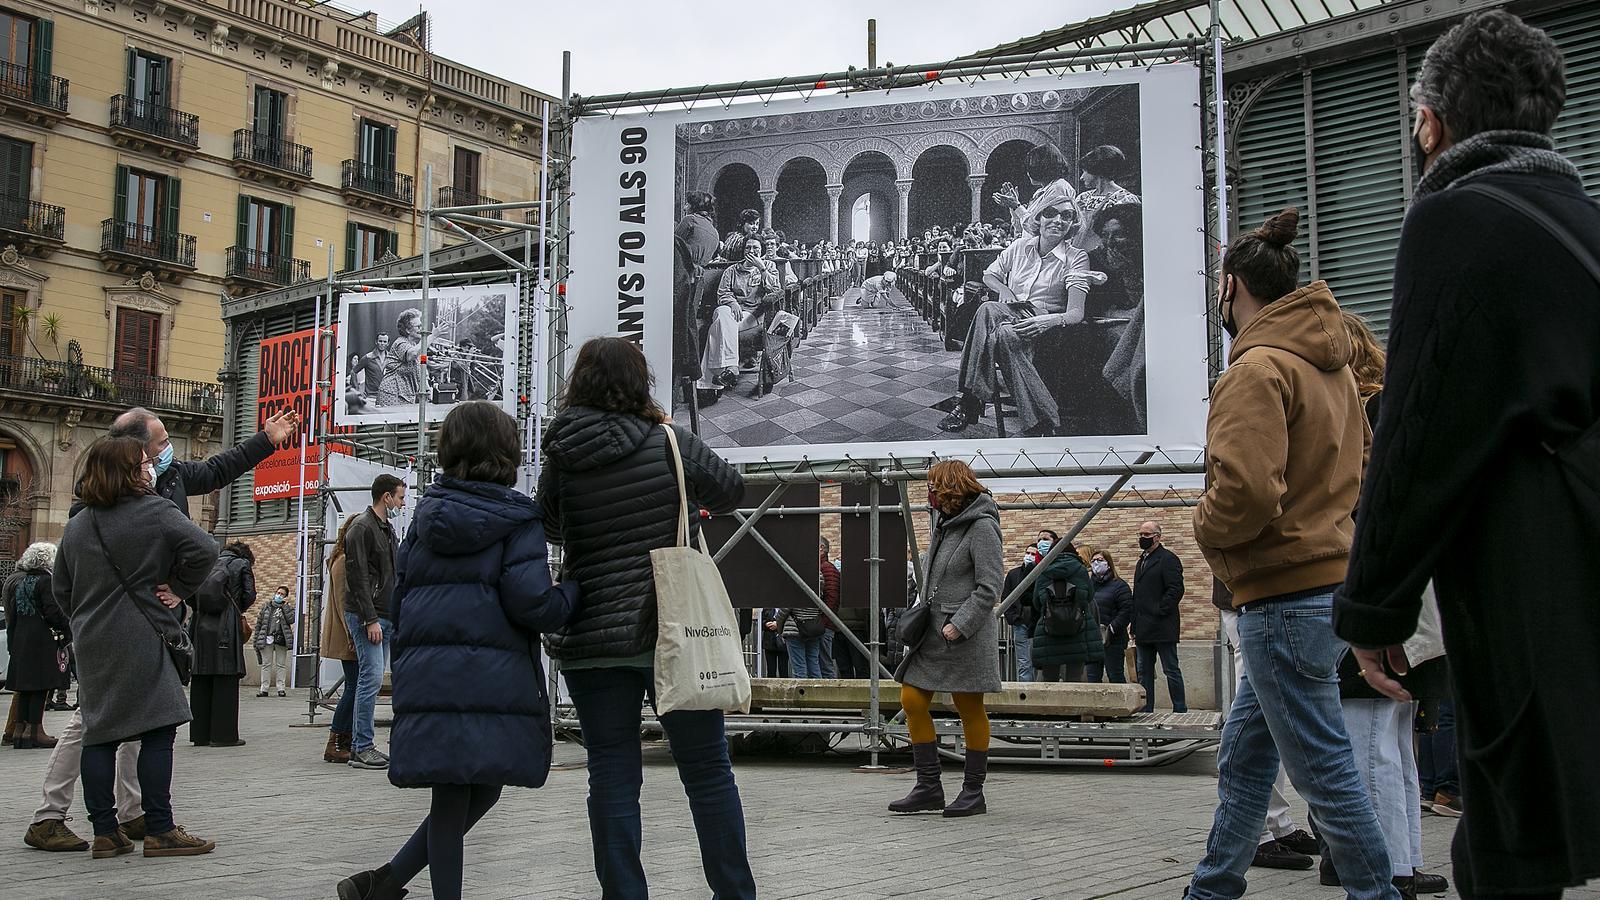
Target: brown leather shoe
<point>42,741</point>
<point>176,842</point>
<point>108,845</point>
<point>338,748</point>
<point>54,836</point>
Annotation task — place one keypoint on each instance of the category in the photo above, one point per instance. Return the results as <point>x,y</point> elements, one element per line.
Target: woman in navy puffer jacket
<point>472,594</point>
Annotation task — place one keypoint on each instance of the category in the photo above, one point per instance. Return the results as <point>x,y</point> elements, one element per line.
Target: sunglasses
<point>1050,212</point>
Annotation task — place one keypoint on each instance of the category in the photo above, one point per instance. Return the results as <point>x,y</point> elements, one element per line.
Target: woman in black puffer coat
<point>610,496</point>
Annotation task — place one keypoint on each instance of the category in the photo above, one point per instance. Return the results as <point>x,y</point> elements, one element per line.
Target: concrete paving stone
<point>289,826</point>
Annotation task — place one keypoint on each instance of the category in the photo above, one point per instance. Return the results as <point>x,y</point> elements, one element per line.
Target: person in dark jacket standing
<point>1060,656</point>
<point>1113,604</point>
<point>32,621</point>
<point>274,640</point>
<point>125,564</point>
<point>1494,444</point>
<point>472,594</point>
<point>1157,588</point>
<point>178,480</point>
<point>828,580</point>
<point>610,496</point>
<point>1021,615</point>
<point>218,641</point>
<point>370,547</point>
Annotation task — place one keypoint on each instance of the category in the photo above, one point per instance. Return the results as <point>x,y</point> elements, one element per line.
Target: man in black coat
<point>178,480</point>
<point>1485,466</point>
<point>1157,588</point>
<point>1020,615</point>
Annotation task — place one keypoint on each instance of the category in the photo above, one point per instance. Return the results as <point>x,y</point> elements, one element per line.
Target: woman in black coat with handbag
<point>32,621</point>
<point>1113,602</point>
<point>218,636</point>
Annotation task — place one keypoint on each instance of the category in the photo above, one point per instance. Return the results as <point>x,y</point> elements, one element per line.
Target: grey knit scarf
<point>1522,152</point>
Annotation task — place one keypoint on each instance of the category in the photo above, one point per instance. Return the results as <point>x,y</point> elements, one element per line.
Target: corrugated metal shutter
<point>1358,133</point>
<point>1272,159</point>
<point>1577,132</point>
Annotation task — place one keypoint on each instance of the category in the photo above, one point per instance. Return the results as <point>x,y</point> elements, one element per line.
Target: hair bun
<point>1281,229</point>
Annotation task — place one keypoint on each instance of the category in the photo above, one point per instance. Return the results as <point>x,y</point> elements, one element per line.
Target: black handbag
<point>913,624</point>
<point>179,649</point>
<point>809,629</point>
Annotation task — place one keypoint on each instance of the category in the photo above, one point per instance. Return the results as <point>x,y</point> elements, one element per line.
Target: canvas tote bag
<point>699,661</point>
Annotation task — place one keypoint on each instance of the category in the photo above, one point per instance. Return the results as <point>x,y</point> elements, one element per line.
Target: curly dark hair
<point>1493,72</point>
<point>241,550</point>
<point>611,374</point>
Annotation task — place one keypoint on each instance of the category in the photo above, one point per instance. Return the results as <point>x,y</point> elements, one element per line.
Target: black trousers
<point>214,704</point>
<point>30,707</point>
<point>851,662</point>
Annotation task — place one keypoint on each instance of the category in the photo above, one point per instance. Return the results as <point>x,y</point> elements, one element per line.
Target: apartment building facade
<point>157,158</point>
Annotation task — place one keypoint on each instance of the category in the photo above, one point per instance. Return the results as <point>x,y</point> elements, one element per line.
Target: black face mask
<point>1419,159</point>
<point>1145,543</point>
<point>1228,323</point>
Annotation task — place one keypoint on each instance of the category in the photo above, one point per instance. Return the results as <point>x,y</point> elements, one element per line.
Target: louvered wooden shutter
<point>138,342</point>
<point>43,39</point>
<point>349,246</point>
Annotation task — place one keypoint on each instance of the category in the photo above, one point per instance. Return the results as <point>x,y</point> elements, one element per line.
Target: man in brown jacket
<point>1285,442</point>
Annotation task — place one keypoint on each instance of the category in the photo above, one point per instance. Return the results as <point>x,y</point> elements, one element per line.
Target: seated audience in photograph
<point>749,227</point>
<point>1057,654</point>
<point>1101,167</point>
<point>1043,285</point>
<point>746,290</point>
<point>126,562</point>
<point>1113,604</point>
<point>1046,169</point>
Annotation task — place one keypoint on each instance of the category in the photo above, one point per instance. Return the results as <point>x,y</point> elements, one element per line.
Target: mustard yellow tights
<point>919,720</point>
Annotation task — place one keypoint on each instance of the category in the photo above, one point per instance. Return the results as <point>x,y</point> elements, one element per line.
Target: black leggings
<point>30,707</point>
<point>436,843</point>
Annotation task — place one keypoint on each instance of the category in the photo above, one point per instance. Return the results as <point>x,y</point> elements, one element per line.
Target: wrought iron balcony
<point>453,196</point>
<point>145,125</point>
<point>38,98</point>
<point>127,247</point>
<point>370,186</point>
<point>258,266</point>
<point>40,226</point>
<point>263,156</point>
<point>51,378</point>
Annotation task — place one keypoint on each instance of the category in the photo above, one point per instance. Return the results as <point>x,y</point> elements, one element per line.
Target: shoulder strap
<point>105,548</point>
<point>1558,231</point>
<point>683,495</point>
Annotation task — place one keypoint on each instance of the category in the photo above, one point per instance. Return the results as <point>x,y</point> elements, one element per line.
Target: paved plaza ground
<point>289,826</point>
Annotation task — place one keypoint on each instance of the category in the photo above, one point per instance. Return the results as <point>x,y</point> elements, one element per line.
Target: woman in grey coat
<point>959,652</point>
<point>124,565</point>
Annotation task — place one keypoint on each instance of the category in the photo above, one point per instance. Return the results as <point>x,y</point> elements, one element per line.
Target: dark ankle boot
<point>1407,886</point>
<point>970,801</point>
<point>928,795</point>
<point>371,885</point>
<point>1326,873</point>
<point>22,737</point>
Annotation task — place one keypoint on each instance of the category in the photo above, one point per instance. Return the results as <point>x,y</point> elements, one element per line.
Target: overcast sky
<point>639,45</point>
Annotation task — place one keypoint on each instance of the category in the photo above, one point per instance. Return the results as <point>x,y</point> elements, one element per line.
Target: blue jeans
<point>371,659</point>
<point>608,703</point>
<point>805,657</point>
<point>1288,702</point>
<point>1144,657</point>
<point>99,768</point>
<point>1022,642</point>
<point>1436,756</point>
<point>344,710</point>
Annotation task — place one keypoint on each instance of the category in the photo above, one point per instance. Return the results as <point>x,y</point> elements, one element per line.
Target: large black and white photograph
<point>945,271</point>
<point>381,374</point>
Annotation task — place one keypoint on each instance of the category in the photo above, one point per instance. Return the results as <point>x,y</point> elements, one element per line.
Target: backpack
<point>1064,611</point>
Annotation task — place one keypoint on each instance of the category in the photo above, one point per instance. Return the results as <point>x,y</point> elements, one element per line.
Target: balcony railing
<point>22,83</point>
<point>268,268</point>
<point>23,216</point>
<point>453,196</point>
<point>47,377</point>
<point>133,239</point>
<point>156,120</point>
<point>275,153</point>
<point>376,180</point>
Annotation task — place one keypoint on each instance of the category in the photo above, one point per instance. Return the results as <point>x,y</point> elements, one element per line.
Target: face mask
<point>277,598</point>
<point>394,512</point>
<point>1099,567</point>
<point>1044,547</point>
<point>150,475</point>
<point>1145,543</point>
<point>1228,323</point>
<point>164,460</point>
<point>1419,159</point>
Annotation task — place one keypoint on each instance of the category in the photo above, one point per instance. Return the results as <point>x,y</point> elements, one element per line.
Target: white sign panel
<point>1045,234</point>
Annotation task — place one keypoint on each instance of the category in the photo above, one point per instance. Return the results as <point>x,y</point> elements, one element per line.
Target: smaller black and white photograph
<point>382,377</point>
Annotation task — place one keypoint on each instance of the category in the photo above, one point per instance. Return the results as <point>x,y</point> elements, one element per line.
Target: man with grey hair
<point>1488,436</point>
<point>176,480</point>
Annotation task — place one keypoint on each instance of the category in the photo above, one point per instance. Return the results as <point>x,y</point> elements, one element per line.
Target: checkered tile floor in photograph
<point>860,375</point>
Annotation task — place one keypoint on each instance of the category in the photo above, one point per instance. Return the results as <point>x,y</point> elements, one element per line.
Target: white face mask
<point>150,474</point>
<point>1099,567</point>
<point>1044,547</point>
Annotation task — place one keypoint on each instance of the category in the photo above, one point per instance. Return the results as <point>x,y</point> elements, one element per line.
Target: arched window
<point>861,218</point>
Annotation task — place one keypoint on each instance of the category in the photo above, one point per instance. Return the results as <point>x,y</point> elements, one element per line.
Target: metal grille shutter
<point>1272,160</point>
<point>1358,133</point>
<point>1577,132</point>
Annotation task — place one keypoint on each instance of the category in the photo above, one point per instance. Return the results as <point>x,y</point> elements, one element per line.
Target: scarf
<point>1490,152</point>
<point>27,590</point>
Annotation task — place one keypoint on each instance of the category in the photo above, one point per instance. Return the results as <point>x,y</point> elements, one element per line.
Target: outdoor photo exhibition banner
<point>380,376</point>
<point>284,380</point>
<point>1046,234</point>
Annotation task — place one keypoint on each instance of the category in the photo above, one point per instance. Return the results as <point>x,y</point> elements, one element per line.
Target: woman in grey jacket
<point>960,650</point>
<point>125,564</point>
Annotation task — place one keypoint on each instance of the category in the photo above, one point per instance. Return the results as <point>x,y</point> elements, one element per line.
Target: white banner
<point>379,374</point>
<point>1096,341</point>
